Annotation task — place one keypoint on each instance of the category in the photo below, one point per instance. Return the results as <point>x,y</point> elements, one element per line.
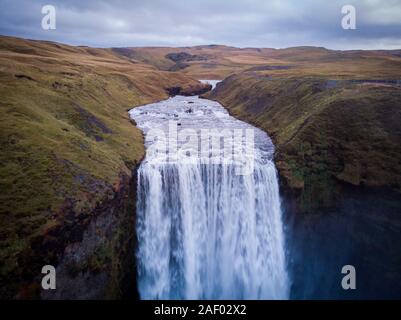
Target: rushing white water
<point>204,231</point>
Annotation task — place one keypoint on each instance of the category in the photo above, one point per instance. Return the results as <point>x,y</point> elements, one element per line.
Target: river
<point>209,220</point>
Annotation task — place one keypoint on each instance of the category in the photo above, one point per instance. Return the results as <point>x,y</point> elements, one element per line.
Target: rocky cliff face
<point>93,251</point>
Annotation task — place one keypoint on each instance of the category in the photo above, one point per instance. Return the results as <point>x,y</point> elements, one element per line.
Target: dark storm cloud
<point>257,23</point>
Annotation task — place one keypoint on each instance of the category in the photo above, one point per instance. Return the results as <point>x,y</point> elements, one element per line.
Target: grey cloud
<point>258,23</point>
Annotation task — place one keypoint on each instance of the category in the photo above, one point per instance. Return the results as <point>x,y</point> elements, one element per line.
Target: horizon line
<point>191,46</point>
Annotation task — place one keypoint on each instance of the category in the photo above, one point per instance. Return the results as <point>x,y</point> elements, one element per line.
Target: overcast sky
<point>241,23</point>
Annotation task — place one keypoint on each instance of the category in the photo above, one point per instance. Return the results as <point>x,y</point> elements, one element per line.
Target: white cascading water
<point>205,231</point>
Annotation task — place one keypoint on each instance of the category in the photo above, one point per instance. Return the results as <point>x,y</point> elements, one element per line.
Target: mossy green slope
<point>325,134</point>
<point>65,134</point>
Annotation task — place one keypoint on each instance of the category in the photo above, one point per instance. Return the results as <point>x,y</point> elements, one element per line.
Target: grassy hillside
<point>326,132</point>
<point>65,135</point>
<point>218,62</point>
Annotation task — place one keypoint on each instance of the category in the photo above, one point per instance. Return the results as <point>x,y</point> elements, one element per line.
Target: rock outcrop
<point>191,90</point>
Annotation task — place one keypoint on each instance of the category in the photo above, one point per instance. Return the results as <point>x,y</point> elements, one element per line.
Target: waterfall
<point>205,231</point>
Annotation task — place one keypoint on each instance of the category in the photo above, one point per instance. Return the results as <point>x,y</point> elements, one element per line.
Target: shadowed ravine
<point>206,229</point>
